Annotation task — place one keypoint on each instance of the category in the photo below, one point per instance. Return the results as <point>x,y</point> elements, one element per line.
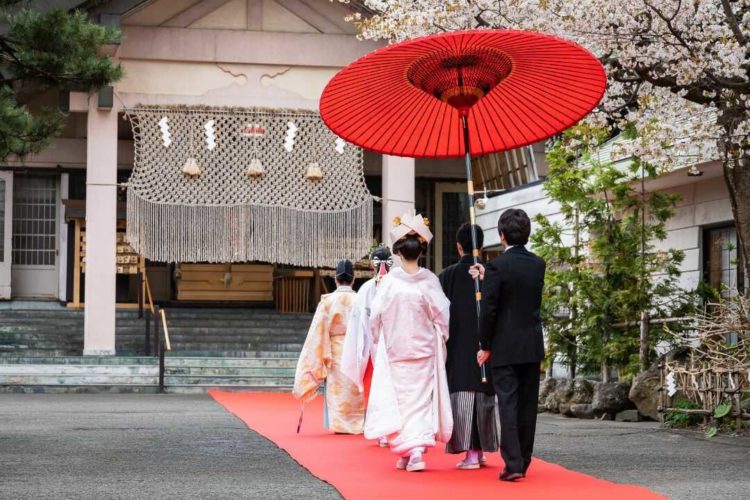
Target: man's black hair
<point>463,237</point>
<point>515,225</point>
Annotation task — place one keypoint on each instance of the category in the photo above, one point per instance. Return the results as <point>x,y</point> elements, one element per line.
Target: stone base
<point>628,416</point>
<point>98,352</point>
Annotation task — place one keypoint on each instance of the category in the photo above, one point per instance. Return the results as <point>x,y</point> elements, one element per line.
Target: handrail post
<point>161,366</point>
<point>147,340</point>
<point>140,294</point>
<point>157,334</point>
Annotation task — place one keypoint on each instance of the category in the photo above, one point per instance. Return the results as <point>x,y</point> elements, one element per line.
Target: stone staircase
<point>248,349</point>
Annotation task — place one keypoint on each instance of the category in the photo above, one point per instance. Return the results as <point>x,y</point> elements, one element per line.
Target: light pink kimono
<point>409,399</point>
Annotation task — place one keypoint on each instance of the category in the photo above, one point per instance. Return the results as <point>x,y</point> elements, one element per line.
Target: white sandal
<point>416,463</point>
<point>464,465</point>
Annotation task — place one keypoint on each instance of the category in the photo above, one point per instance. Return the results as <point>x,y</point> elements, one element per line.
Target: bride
<point>409,399</point>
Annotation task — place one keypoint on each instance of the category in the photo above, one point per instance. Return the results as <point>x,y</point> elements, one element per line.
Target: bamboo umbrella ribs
<point>463,94</point>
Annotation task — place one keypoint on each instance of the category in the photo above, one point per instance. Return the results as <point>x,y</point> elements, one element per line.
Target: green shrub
<point>678,419</point>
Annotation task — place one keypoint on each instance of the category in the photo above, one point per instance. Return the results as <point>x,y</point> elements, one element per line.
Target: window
<point>721,261</point>
<point>504,170</point>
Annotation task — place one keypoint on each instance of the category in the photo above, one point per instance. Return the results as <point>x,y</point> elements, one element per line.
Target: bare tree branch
<point>732,22</point>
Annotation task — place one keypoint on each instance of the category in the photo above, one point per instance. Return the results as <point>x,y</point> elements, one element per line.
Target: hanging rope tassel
<point>241,196</point>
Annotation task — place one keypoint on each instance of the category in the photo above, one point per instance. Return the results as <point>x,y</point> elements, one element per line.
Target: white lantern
<point>313,172</point>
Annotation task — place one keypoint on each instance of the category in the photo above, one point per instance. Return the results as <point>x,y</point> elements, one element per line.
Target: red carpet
<point>359,469</point>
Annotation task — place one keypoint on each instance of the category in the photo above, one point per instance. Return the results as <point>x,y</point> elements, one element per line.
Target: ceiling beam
<point>194,13</point>
<point>311,16</point>
<point>255,15</point>
<point>242,47</point>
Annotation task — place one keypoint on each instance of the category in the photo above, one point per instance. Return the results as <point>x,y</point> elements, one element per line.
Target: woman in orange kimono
<point>320,359</point>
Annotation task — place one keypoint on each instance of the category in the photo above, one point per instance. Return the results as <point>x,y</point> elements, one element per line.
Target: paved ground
<point>139,446</point>
<point>148,446</point>
<point>682,465</point>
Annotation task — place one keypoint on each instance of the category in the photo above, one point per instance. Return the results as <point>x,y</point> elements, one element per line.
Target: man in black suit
<point>510,336</point>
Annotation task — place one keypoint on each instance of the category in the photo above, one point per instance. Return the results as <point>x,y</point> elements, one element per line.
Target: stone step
<point>236,354</point>
<point>139,336</point>
<point>77,379</point>
<point>81,360</point>
<point>236,381</point>
<point>218,334</point>
<point>79,389</point>
<point>78,369</point>
<point>42,344</point>
<point>234,345</point>
<point>42,314</point>
<point>198,389</point>
<point>39,353</point>
<point>225,371</point>
<point>189,362</point>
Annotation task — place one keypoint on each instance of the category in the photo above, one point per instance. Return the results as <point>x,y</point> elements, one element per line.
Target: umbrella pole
<point>472,222</point>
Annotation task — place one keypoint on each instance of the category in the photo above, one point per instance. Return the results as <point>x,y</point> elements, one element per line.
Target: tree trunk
<point>737,177</point>
<point>736,167</point>
<point>643,357</point>
<point>572,358</point>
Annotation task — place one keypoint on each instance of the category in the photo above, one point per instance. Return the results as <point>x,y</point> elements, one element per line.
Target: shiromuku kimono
<point>358,347</point>
<point>409,400</point>
<point>359,351</point>
<point>320,360</point>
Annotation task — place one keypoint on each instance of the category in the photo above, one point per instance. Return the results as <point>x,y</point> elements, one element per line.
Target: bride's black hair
<point>410,247</point>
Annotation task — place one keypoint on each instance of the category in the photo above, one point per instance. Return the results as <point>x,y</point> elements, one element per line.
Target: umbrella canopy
<point>513,87</point>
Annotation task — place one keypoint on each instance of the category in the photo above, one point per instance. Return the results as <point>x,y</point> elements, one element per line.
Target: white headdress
<point>411,223</point>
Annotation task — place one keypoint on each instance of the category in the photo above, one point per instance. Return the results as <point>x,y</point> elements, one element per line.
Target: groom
<point>510,338</point>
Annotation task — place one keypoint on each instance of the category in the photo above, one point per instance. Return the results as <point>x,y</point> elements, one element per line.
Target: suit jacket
<point>510,324</point>
<point>461,363</point>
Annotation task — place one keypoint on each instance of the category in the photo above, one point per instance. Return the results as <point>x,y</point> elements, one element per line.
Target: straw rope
<point>208,187</point>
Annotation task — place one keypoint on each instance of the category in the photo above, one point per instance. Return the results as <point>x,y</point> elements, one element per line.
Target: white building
<point>702,226</point>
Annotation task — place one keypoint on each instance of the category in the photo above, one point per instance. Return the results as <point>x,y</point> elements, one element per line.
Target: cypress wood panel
<point>221,282</point>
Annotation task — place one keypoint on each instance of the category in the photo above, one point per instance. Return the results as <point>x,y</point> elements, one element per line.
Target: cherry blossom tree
<point>678,70</point>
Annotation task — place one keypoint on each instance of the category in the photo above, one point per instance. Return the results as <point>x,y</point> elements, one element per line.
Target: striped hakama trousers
<point>476,422</point>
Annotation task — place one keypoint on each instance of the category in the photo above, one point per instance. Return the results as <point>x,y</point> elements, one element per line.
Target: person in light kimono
<point>359,352</point>
<point>320,359</point>
<point>409,400</point>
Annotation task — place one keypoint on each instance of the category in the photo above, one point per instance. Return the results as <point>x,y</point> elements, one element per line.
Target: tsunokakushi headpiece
<point>411,223</point>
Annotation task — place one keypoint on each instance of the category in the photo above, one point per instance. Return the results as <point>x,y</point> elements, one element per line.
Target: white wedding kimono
<point>358,347</point>
<point>409,399</point>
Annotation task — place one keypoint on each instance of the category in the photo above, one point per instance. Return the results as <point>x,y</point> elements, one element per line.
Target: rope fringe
<point>220,213</point>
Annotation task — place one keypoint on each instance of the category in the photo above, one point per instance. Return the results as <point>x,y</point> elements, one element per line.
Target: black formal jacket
<point>510,325</point>
<point>463,343</point>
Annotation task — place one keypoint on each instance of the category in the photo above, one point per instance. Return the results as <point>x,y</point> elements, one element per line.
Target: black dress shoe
<point>510,476</point>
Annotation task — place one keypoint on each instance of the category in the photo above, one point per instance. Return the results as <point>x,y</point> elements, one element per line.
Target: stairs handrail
<point>164,345</point>
<point>167,343</point>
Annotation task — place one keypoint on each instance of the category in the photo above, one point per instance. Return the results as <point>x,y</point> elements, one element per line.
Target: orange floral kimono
<point>320,360</point>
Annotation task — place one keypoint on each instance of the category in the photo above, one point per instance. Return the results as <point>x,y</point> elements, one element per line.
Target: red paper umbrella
<point>461,94</point>
<point>514,87</point>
